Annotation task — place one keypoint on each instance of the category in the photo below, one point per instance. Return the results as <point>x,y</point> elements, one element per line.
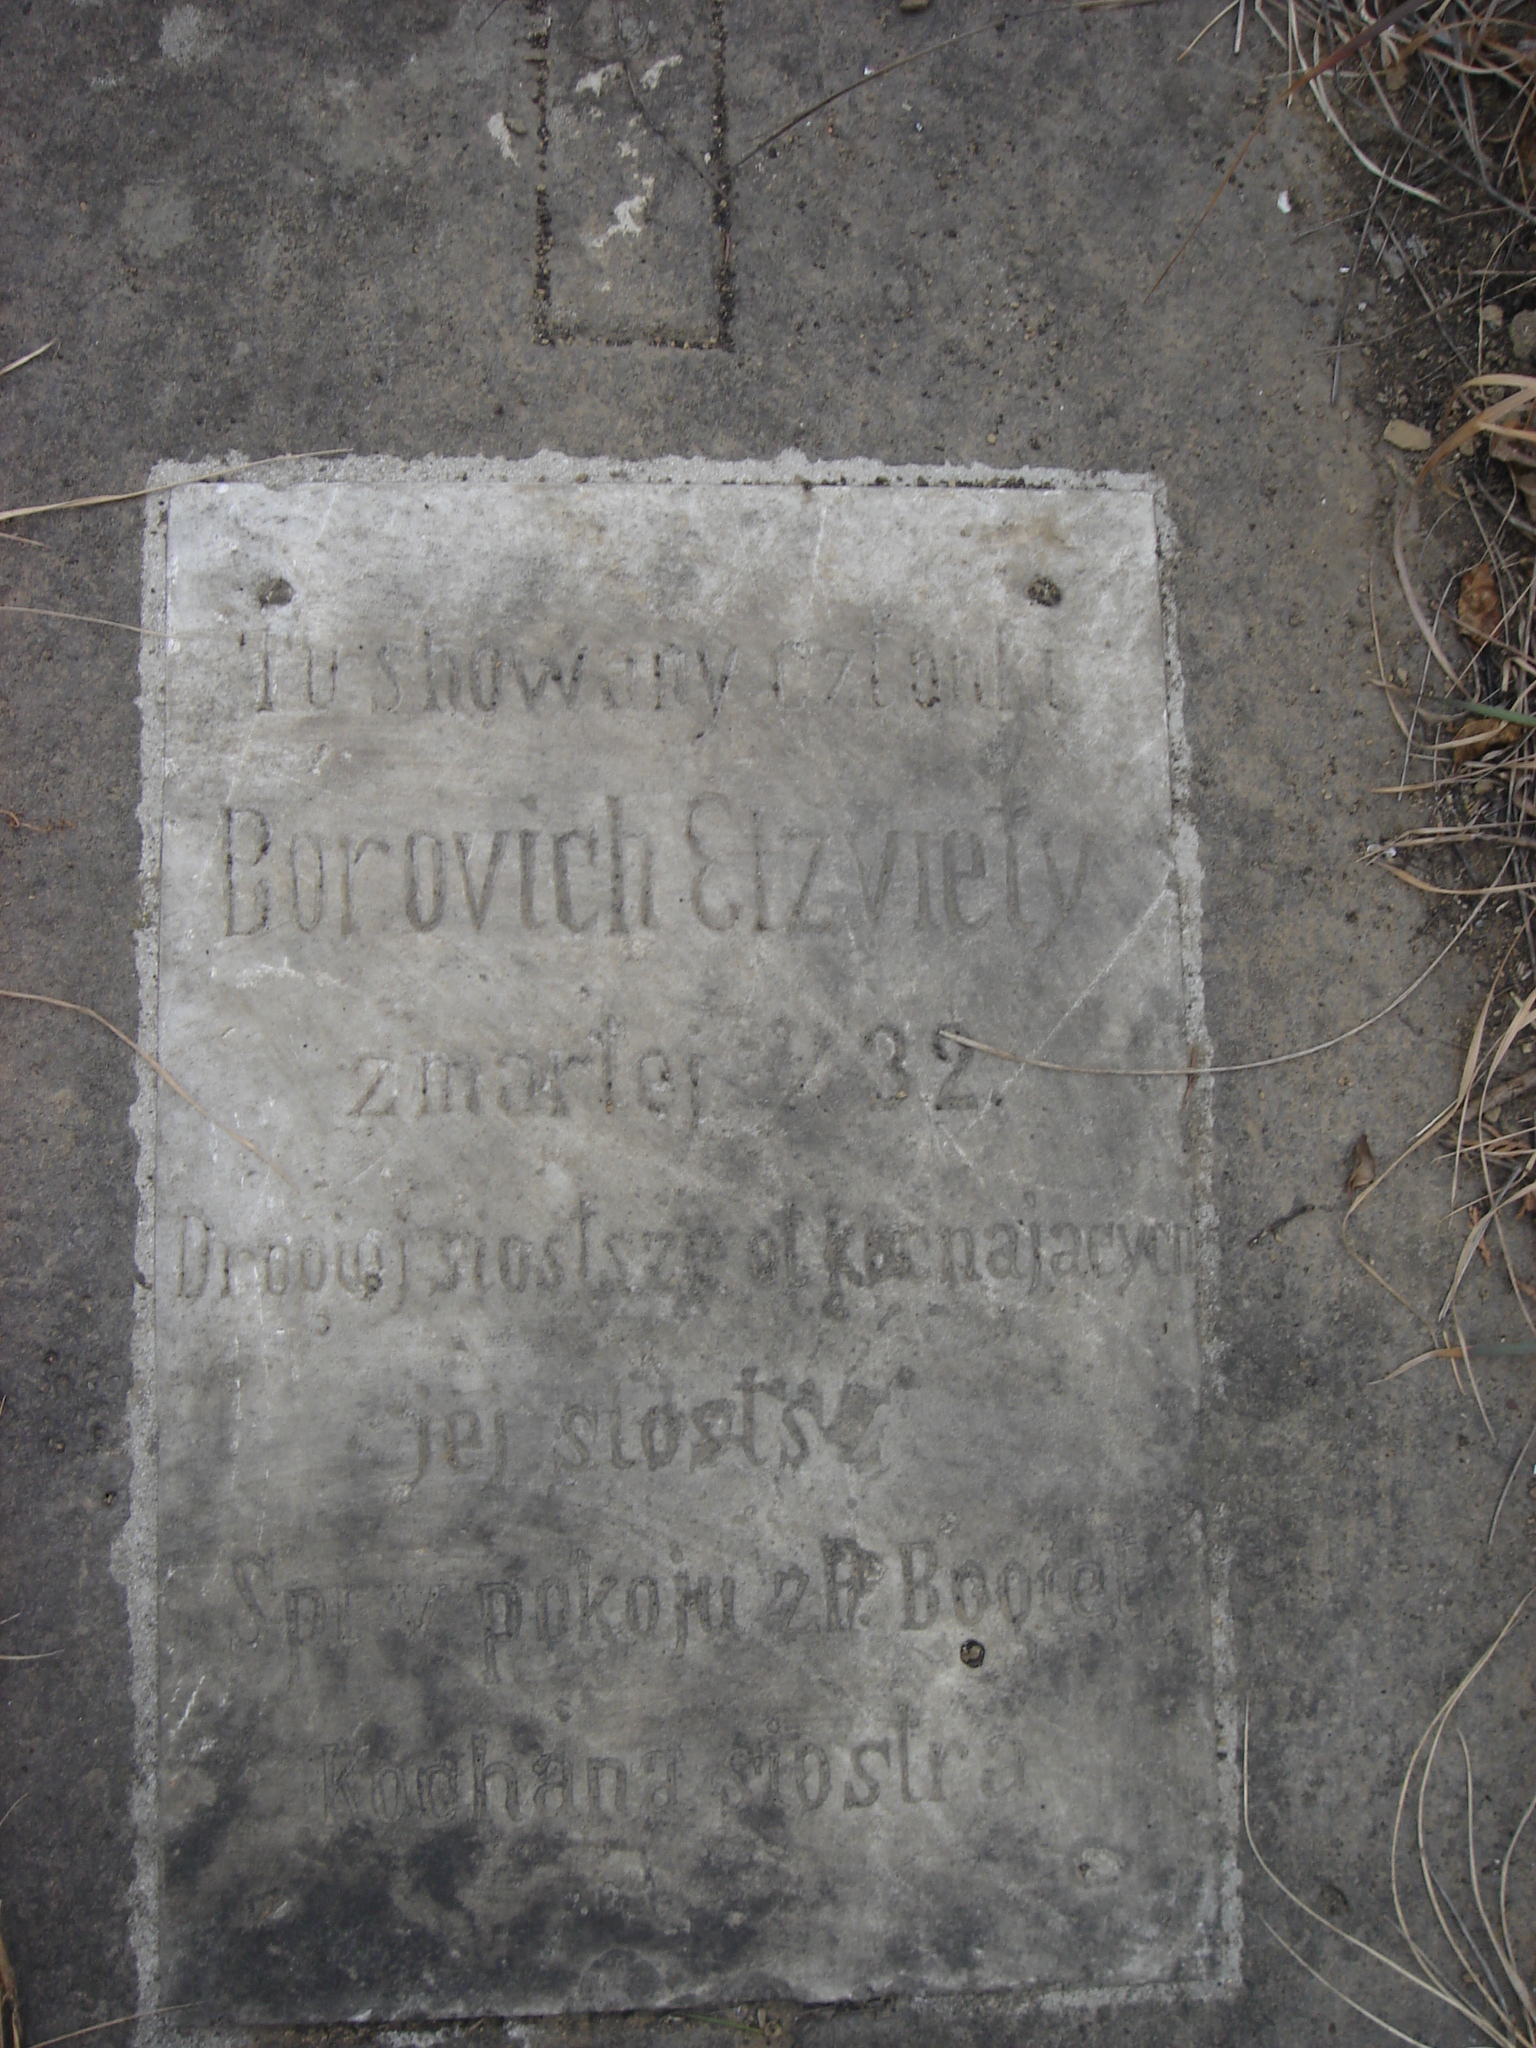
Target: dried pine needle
<point>37,611</point>
<point>209,476</point>
<point>31,357</point>
<point>1230,8</point>
<point>1279,1059</point>
<point>126,2019</point>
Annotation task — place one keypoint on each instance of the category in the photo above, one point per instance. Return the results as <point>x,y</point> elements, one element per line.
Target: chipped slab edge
<point>135,1550</point>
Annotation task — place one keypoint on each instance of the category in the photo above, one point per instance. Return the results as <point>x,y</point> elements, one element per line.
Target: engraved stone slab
<point>684,1492</point>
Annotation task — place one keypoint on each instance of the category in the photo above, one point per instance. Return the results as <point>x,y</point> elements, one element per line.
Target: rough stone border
<point>548,327</point>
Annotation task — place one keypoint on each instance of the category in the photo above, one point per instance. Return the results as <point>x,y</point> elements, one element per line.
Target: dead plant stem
<point>16,995</point>
<point>1279,1059</point>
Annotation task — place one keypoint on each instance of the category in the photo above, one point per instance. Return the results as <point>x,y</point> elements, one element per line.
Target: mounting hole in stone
<point>973,1654</point>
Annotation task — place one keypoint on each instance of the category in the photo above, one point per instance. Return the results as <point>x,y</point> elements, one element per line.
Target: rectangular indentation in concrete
<point>634,184</point>
<point>583,1493</point>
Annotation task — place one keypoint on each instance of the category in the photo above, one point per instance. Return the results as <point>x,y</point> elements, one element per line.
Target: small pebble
<point>1493,316</point>
<point>1405,435</point>
<point>1283,201</point>
<point>1522,337</point>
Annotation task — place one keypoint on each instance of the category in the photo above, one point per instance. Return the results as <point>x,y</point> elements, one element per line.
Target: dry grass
<point>1468,726</point>
<point>1435,104</point>
<point>10,2003</point>
<point>1462,1953</point>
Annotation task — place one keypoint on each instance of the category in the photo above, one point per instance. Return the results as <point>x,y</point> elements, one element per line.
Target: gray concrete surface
<point>284,230</point>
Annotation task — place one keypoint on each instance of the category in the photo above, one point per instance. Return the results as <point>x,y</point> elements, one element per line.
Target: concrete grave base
<point>269,230</point>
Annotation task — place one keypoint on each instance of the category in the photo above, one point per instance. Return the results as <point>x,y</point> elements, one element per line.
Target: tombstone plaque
<point>670,1480</point>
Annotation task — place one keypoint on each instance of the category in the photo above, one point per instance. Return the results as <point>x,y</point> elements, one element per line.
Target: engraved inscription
<point>483,685</point>
<point>739,869</point>
<point>811,1264</point>
<point>504,1632</point>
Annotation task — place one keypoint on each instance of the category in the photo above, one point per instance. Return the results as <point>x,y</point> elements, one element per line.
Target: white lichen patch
<point>594,81</point>
<point>628,216</point>
<point>189,36</point>
<point>650,78</point>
